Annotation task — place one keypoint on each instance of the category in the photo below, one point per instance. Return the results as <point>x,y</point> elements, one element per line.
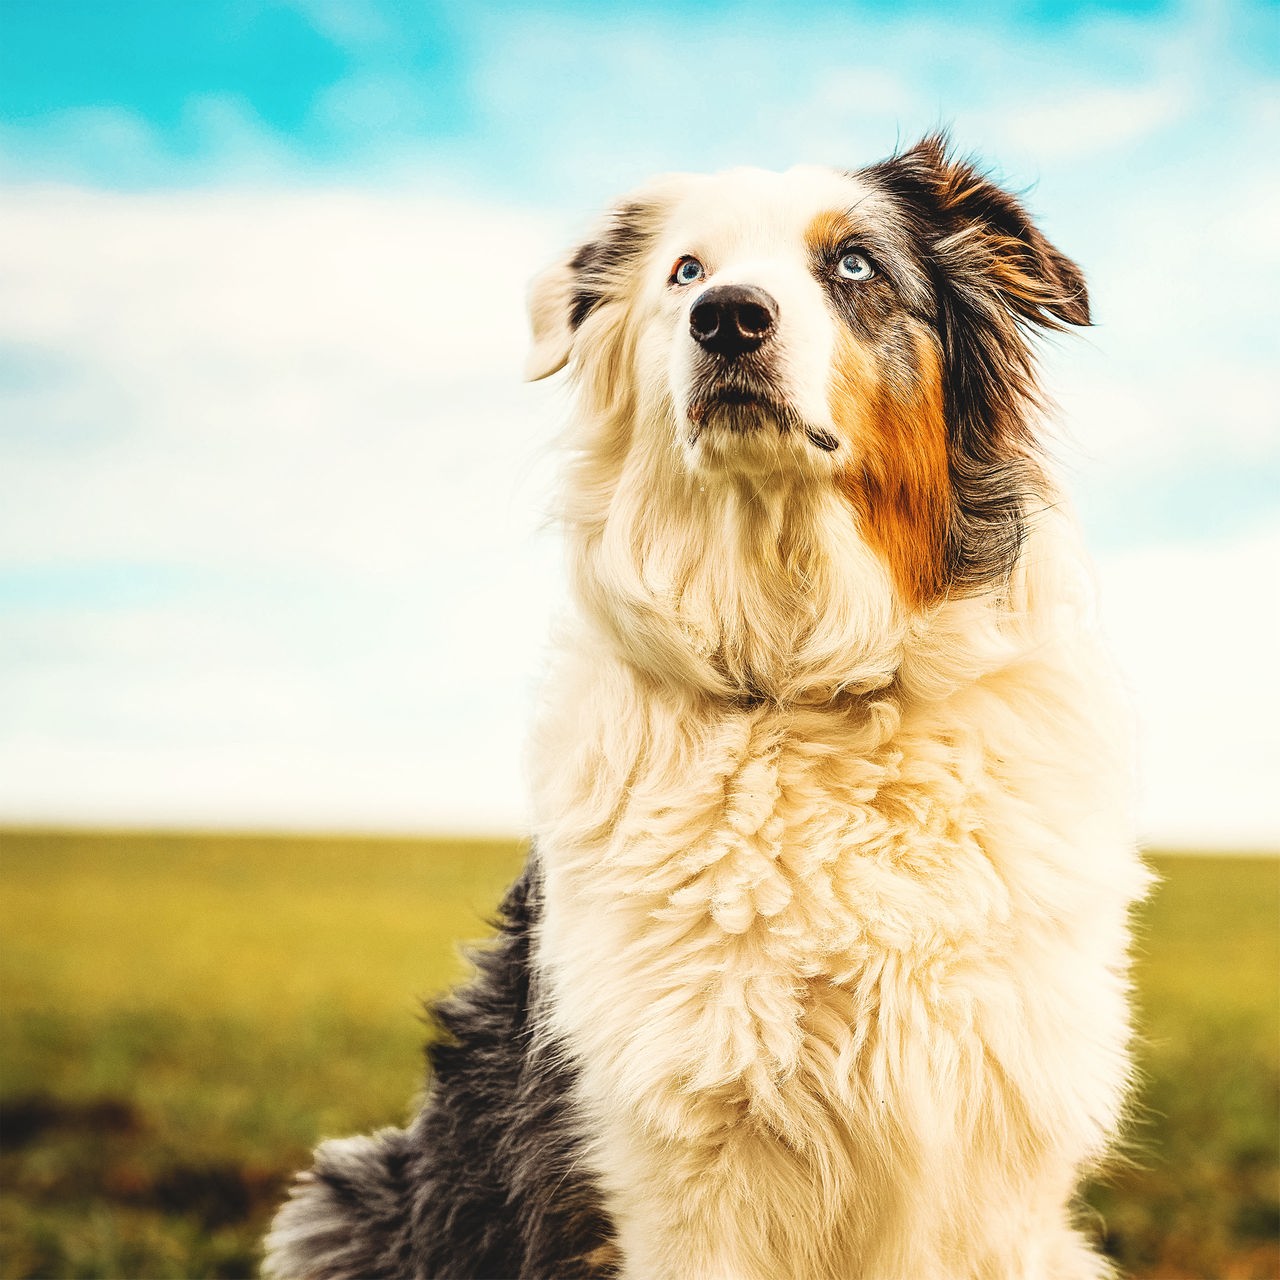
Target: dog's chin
<point>744,432</point>
<point>738,413</point>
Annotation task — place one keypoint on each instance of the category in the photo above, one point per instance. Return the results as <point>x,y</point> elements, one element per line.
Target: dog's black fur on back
<point>488,1180</point>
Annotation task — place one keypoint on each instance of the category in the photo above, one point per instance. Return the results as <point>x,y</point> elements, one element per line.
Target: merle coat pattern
<point>487,1181</point>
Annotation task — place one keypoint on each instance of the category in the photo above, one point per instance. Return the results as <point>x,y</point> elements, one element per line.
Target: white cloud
<point>306,409</point>
<point>1181,368</point>
<point>265,786</point>
<point>352,24</point>
<point>241,367</point>
<point>1197,630</point>
<point>1091,119</point>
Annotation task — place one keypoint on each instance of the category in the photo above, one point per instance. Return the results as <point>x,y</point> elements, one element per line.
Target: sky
<point>274,545</point>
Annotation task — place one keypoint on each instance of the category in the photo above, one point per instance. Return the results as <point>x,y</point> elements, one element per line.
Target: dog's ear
<point>596,272</point>
<point>987,235</point>
<point>564,295</point>
<point>550,319</point>
<point>996,277</point>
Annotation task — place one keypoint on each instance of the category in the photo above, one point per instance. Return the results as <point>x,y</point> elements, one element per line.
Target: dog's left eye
<point>855,266</point>
<point>687,271</point>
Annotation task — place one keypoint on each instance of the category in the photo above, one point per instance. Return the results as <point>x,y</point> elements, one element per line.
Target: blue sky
<point>274,547</point>
<point>561,102</point>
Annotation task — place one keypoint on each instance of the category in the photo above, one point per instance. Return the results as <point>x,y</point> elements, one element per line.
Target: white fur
<point>836,890</point>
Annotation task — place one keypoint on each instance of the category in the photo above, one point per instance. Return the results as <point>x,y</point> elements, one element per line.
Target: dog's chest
<point>763,903</point>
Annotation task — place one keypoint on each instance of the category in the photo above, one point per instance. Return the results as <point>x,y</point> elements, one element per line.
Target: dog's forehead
<point>758,208</point>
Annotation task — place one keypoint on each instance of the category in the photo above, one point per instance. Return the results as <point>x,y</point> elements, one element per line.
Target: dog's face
<point>865,331</point>
<point>770,308</point>
<point>807,407</point>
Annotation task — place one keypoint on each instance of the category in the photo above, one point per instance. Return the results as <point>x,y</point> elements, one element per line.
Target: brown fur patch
<point>901,489</point>
<point>604,1260</point>
<point>828,232</point>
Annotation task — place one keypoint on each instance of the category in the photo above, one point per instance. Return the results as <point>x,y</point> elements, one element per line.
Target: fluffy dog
<point>818,969</point>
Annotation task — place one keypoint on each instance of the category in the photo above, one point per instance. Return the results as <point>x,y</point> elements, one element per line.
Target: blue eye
<point>855,266</point>
<point>687,270</point>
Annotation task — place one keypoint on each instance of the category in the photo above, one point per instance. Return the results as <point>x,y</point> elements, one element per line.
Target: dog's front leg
<point>726,1204</point>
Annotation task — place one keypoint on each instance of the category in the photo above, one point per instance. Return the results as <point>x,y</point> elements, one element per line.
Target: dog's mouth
<point>745,409</point>
<point>737,409</point>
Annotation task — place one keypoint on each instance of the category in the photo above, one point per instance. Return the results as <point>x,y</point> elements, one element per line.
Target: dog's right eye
<point>854,266</point>
<point>687,271</point>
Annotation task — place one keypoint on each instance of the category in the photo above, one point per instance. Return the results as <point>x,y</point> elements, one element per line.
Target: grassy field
<point>183,1016</point>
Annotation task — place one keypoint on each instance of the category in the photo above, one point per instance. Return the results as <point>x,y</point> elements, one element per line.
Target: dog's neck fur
<point>758,587</point>
<point>741,586</point>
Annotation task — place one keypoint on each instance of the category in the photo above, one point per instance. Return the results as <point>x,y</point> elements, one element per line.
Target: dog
<point>818,966</point>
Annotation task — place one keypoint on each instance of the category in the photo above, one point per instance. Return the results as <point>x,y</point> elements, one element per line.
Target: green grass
<point>233,999</point>
<point>184,1016</point>
<point>1200,1197</point>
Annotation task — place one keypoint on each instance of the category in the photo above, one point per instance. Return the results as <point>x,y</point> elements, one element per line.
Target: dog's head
<point>857,338</point>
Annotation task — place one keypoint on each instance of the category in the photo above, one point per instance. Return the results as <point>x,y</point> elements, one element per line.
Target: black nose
<point>733,318</point>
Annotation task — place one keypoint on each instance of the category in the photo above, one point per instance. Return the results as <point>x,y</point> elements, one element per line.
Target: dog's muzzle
<point>732,319</point>
<point>732,387</point>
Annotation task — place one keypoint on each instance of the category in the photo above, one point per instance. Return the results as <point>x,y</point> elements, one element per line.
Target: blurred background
<point>274,554</point>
